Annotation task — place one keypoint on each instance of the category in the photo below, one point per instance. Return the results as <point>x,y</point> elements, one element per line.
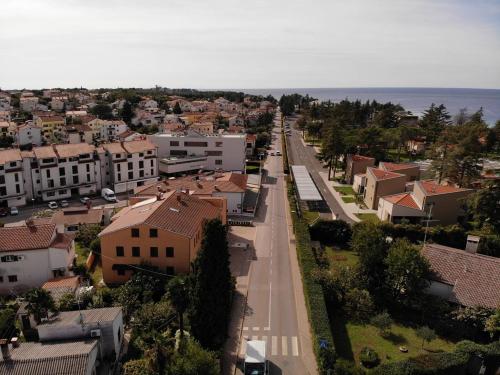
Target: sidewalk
<point>306,343</point>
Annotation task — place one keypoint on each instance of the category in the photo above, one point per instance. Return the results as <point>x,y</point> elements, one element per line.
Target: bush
<point>490,245</point>
<point>343,367</point>
<point>332,232</point>
<point>369,357</point>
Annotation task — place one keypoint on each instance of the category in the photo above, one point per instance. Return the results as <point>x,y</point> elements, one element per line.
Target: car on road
<point>14,211</point>
<point>84,200</point>
<point>3,212</point>
<point>278,153</point>
<point>64,203</point>
<point>108,195</point>
<point>53,205</point>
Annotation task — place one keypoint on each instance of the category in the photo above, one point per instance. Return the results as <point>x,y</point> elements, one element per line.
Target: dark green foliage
<point>484,205</point>
<point>39,303</point>
<point>331,232</point>
<point>87,233</point>
<point>6,141</point>
<point>369,357</point>
<point>138,367</point>
<point>178,295</point>
<point>212,289</point>
<point>151,319</point>
<point>8,323</point>
<point>343,367</point>
<point>126,112</point>
<point>177,108</point>
<point>490,245</point>
<point>434,121</point>
<point>194,360</point>
<point>327,358</point>
<point>359,306</point>
<point>95,245</point>
<point>102,111</point>
<point>382,322</point>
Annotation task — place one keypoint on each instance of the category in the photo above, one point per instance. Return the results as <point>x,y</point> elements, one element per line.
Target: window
<point>195,144</point>
<point>88,167</point>
<point>213,153</point>
<point>152,163</point>
<point>50,183</point>
<point>62,181</point>
<point>218,144</point>
<point>130,165</point>
<point>2,180</point>
<point>136,251</point>
<point>74,169</point>
<point>170,271</point>
<point>119,177</point>
<point>18,189</point>
<point>75,179</point>
<point>169,252</point>
<point>130,175</point>
<point>62,160</point>
<point>48,173</point>
<point>62,171</point>
<point>218,162</point>
<point>141,154</point>
<point>135,232</point>
<point>121,272</point>
<point>3,190</point>
<point>51,194</point>
<point>12,278</point>
<point>153,232</point>
<point>88,177</point>
<point>141,164</point>
<point>141,173</point>
<point>152,171</point>
<point>119,167</point>
<point>174,143</point>
<point>178,152</point>
<point>16,177</point>
<point>1,279</point>
<point>120,252</point>
<point>153,252</point>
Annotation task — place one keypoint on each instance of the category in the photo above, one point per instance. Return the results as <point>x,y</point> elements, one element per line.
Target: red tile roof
<point>383,175</point>
<point>475,278</point>
<point>26,237</point>
<point>361,158</point>
<point>391,167</point>
<point>433,188</point>
<point>6,156</point>
<point>404,199</point>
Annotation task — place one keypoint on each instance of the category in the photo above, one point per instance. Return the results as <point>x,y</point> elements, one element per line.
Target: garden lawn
<point>388,347</point>
<point>373,218</point>
<point>310,216</point>
<point>345,190</point>
<point>349,199</point>
<point>341,257</point>
<point>252,169</point>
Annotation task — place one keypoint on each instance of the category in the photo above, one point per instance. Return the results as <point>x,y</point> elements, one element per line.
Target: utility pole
<point>429,215</point>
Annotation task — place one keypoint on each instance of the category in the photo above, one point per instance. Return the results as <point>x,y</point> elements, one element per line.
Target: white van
<point>255,358</point>
<point>108,194</point>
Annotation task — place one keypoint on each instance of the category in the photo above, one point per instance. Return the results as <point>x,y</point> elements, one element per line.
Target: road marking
<point>256,328</point>
<point>267,328</point>
<point>245,328</point>
<point>274,345</point>
<point>295,346</point>
<point>284,345</point>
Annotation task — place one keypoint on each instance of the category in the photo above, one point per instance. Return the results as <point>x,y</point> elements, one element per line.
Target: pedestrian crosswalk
<point>276,345</point>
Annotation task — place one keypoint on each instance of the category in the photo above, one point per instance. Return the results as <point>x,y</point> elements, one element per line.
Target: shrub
<point>343,367</point>
<point>369,357</point>
<point>383,322</point>
<point>332,232</point>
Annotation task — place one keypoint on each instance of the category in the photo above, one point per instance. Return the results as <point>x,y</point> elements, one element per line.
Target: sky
<point>249,44</point>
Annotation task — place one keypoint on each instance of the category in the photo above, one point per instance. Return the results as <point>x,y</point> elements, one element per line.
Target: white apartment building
<point>12,193</point>
<point>32,254</point>
<point>107,130</point>
<point>127,165</point>
<point>60,171</point>
<point>28,134</point>
<point>28,104</point>
<point>223,151</point>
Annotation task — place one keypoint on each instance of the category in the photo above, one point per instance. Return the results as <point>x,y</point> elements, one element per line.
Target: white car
<point>14,211</point>
<point>84,200</point>
<point>53,205</point>
<point>64,203</point>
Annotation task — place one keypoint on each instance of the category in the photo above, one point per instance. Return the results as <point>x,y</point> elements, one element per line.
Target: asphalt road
<point>271,309</point>
<point>305,155</point>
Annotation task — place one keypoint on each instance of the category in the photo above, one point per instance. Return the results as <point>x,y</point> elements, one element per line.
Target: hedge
<point>286,169</point>
<point>452,363</point>
<point>313,292</point>
<point>331,232</point>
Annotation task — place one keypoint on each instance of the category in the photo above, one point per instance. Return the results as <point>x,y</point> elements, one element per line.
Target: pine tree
<point>213,286</point>
<point>177,109</point>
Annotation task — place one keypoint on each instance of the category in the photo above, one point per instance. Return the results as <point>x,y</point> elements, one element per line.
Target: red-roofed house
<point>410,170</point>
<point>397,207</point>
<point>380,183</point>
<point>356,164</point>
<point>31,255</point>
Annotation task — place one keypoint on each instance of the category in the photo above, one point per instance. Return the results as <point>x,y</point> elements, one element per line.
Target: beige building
<point>165,231</point>
<point>380,183</point>
<point>410,170</point>
<point>356,164</point>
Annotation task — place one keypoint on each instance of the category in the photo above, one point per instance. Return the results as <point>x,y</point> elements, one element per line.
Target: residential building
<point>12,187</point>
<point>380,183</point>
<point>356,164</point>
<point>231,186</point>
<point>48,358</point>
<point>127,165</point>
<point>69,220</point>
<point>205,127</point>
<point>223,151</point>
<point>398,207</point>
<point>7,129</point>
<point>416,145</point>
<point>106,130</point>
<point>165,231</point>
<point>251,140</point>
<point>60,286</point>
<point>105,324</point>
<point>58,103</point>
<point>32,254</point>
<point>464,278</point>
<point>28,104</point>
<point>52,127</point>
<point>28,134</point>
<point>78,133</point>
<point>410,170</point>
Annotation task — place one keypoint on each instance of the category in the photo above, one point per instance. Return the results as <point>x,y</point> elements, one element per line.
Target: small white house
<point>29,134</point>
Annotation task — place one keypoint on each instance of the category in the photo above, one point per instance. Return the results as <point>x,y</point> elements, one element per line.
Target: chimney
<point>15,342</point>
<point>472,244</point>
<point>4,345</point>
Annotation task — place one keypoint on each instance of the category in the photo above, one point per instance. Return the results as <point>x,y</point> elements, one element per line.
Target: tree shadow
<point>395,339</point>
<point>341,340</point>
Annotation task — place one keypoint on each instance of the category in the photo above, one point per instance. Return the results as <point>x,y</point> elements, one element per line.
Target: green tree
<point>67,302</point>
<point>484,205</point>
<point>426,334</point>
<point>359,304</point>
<point>194,360</point>
<point>492,325</point>
<point>151,319</point>
<point>8,323</point>
<point>102,111</point>
<point>383,322</point>
<point>178,295</point>
<point>177,108</point>
<point>369,241</point>
<point>434,121</point>
<point>126,113</point>
<point>39,303</point>
<point>213,286</point>
<point>88,233</point>
<point>138,367</point>
<point>333,146</point>
<point>407,271</point>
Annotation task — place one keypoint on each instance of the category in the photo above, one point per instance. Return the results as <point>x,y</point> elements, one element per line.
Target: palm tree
<point>39,302</point>
<point>178,294</point>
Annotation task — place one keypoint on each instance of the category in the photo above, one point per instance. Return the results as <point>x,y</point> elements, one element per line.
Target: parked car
<point>64,203</point>
<point>53,205</point>
<point>3,212</point>
<point>108,195</point>
<point>14,211</point>
<point>278,153</point>
<point>84,200</point>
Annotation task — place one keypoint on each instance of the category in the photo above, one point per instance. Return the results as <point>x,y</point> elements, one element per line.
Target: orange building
<point>164,231</point>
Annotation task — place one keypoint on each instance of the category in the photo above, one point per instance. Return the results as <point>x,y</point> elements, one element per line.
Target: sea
<point>416,100</point>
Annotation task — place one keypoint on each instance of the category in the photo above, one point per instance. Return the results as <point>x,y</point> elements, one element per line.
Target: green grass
<point>349,199</point>
<point>252,169</point>
<point>310,216</point>
<point>82,254</point>
<point>373,218</point>
<point>341,257</point>
<point>359,335</point>
<point>345,190</point>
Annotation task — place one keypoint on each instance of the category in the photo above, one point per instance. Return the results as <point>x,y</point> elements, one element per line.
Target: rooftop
<point>104,314</point>
<point>7,156</point>
<point>26,237</point>
<point>475,278</point>
<point>78,215</point>
<point>404,199</point>
<point>433,188</point>
<point>383,175</point>
<point>391,167</point>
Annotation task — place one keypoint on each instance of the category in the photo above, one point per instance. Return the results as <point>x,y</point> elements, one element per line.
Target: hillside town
<point>160,231</point>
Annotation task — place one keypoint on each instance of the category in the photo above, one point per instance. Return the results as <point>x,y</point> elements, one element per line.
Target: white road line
<point>245,328</point>
<point>295,346</point>
<point>284,345</point>
<point>256,328</point>
<point>274,345</point>
<point>267,328</point>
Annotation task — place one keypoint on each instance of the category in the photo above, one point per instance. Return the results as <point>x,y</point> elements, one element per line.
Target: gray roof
<point>305,185</point>
<point>106,314</point>
<point>55,358</point>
